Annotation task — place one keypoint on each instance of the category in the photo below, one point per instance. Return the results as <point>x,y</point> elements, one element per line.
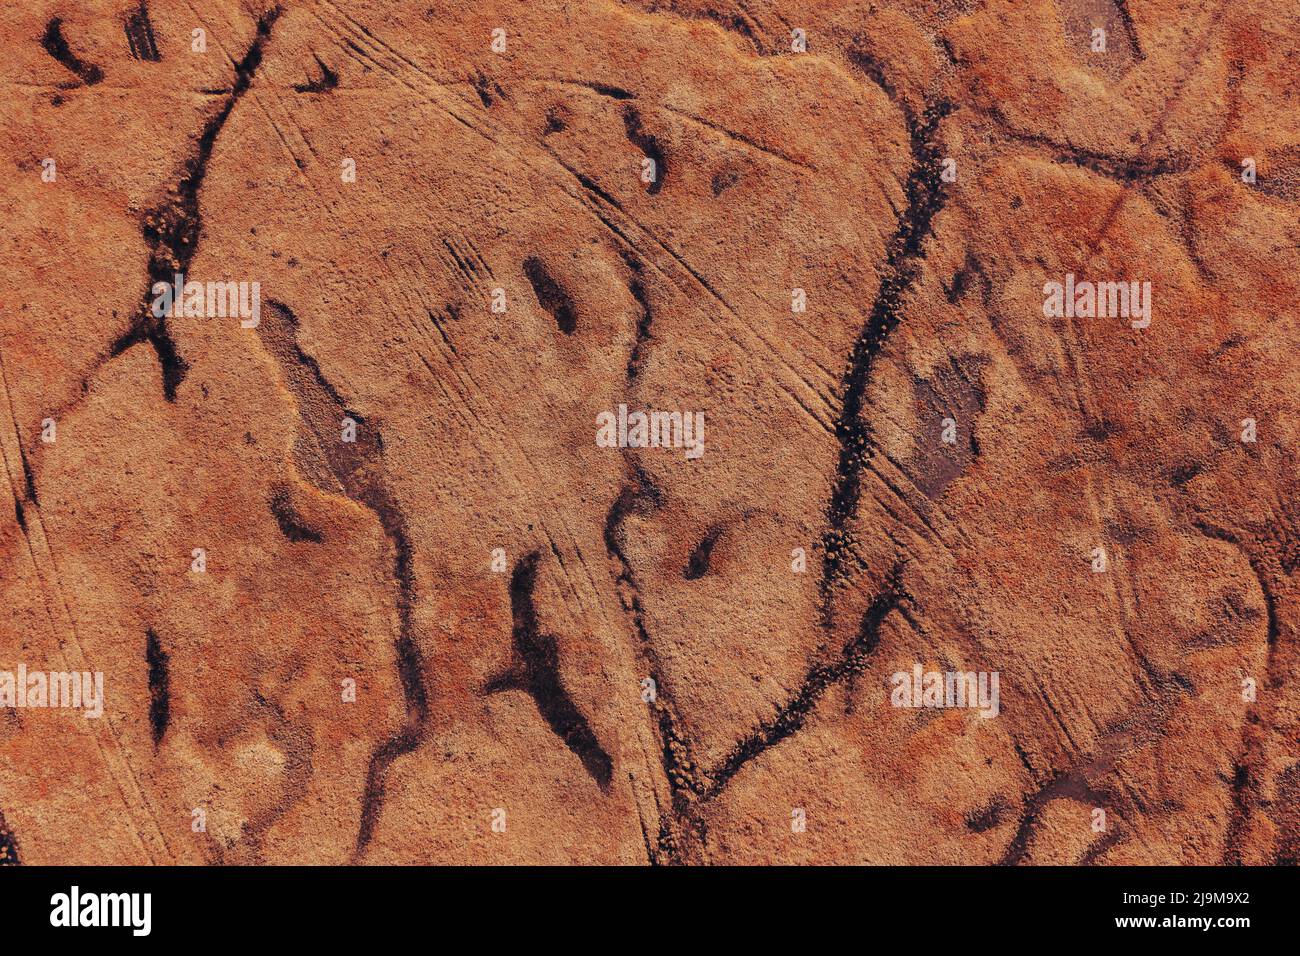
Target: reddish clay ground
<point>1095,529</point>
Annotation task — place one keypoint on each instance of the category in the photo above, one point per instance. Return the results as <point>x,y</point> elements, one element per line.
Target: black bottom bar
<point>946,906</point>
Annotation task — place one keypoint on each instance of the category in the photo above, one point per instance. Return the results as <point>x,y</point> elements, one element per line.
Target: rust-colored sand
<point>473,634</point>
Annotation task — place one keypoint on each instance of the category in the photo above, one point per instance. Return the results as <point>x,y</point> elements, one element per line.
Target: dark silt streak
<point>1083,781</point>
<point>535,670</point>
<point>551,295</point>
<point>649,146</point>
<point>291,523</point>
<point>698,564</point>
<point>160,705</point>
<point>1246,784</point>
<point>677,759</point>
<point>326,82</point>
<point>57,46</point>
<point>1070,784</point>
<point>173,229</point>
<point>139,34</point>
<point>906,250</point>
<point>358,466</point>
<point>794,713</point>
<point>637,288</point>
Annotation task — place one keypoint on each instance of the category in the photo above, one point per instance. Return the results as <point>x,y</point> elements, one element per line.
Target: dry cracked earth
<point>474,634</point>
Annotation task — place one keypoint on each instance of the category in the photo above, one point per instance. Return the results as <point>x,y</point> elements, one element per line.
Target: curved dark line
<point>925,197</point>
<point>791,717</point>
<point>57,46</point>
<point>536,671</point>
<point>173,229</point>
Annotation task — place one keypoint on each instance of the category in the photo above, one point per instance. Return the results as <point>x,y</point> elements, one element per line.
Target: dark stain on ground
<point>906,251</point>
<point>955,392</point>
<point>57,46</point>
<point>551,295</point>
<point>535,670</point>
<point>160,704</point>
<point>988,817</point>
<point>649,146</point>
<point>172,230</point>
<point>139,35</point>
<point>291,523</point>
<point>327,80</point>
<point>698,564</point>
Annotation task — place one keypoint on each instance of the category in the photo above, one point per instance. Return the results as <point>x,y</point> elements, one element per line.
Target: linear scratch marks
<point>439,320</point>
<point>925,197</point>
<point>57,46</point>
<point>40,550</point>
<point>460,388</point>
<point>622,233</point>
<point>172,229</point>
<point>29,488</point>
<point>359,468</point>
<point>29,479</point>
<point>350,30</point>
<point>651,851</point>
<point>469,265</point>
<point>1080,781</point>
<point>489,90</point>
<point>792,715</point>
<point>434,92</point>
<point>160,701</point>
<point>139,35</point>
<point>535,670</point>
<point>586,182</point>
<point>525,151</point>
<point>741,138</point>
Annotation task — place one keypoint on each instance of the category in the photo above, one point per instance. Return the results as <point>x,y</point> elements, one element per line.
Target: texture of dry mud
<point>500,710</point>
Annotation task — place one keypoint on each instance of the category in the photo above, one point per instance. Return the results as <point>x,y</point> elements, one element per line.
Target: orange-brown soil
<point>473,634</point>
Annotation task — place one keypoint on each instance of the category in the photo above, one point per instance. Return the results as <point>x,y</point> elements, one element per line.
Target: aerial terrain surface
<point>378,567</point>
